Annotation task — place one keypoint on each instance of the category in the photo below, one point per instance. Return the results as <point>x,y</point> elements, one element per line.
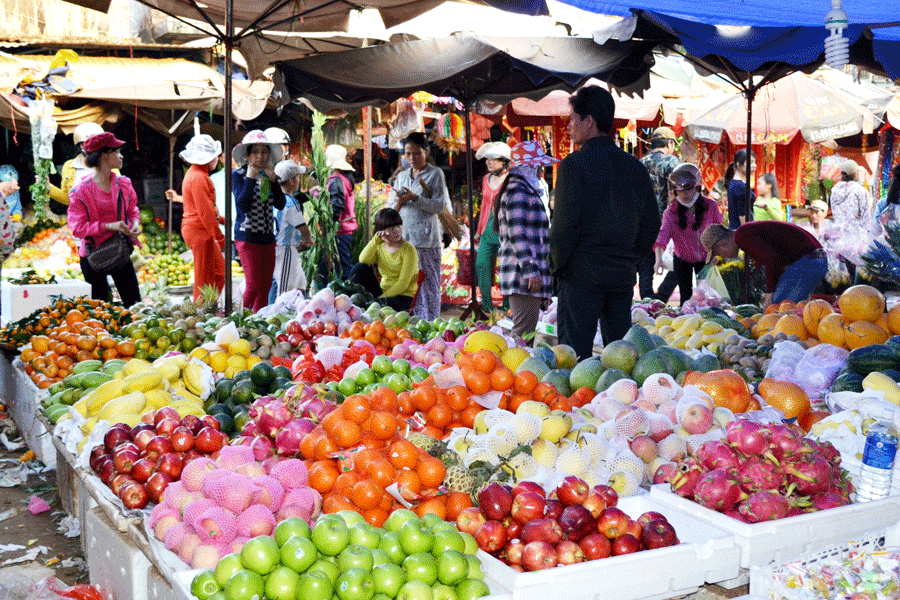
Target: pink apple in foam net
<point>644,448</point>
<point>697,418</point>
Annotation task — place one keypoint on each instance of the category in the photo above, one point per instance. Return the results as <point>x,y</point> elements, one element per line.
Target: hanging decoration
<point>449,133</point>
<point>43,130</point>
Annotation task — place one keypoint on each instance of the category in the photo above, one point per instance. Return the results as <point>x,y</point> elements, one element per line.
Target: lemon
<point>201,354</point>
<point>253,360</point>
<point>239,347</point>
<point>237,361</point>
<point>485,339</point>
<point>218,360</point>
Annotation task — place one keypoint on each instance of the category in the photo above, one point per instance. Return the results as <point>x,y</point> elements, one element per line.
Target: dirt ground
<point>33,546</point>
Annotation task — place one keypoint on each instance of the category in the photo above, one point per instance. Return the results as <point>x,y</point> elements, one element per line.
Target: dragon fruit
<point>748,437</point>
<point>718,455</point>
<point>735,513</point>
<point>843,486</point>
<point>827,500</point>
<point>684,482</point>
<point>785,443</point>
<point>758,474</point>
<point>764,506</point>
<point>216,525</point>
<point>811,476</point>
<point>718,490</point>
<point>256,520</point>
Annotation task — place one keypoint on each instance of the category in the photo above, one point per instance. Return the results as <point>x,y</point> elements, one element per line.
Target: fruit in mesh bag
<point>216,525</point>
<point>633,423</point>
<point>573,461</point>
<point>595,446</point>
<point>544,453</point>
<point>527,427</point>
<point>786,396</point>
<point>482,455</point>
<point>624,390</point>
<point>523,466</point>
<point>673,447</point>
<point>659,388</point>
<point>626,460</point>
<point>496,415</point>
<point>625,483</point>
<point>659,426</point>
<point>607,407</point>
<point>501,439</point>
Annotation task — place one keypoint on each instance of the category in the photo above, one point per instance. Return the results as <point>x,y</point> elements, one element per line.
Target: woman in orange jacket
<point>200,224</point>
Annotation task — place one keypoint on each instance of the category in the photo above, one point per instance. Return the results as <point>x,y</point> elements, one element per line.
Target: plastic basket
<point>771,581</point>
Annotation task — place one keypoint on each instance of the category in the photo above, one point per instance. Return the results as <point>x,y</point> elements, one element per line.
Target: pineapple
<point>188,308</point>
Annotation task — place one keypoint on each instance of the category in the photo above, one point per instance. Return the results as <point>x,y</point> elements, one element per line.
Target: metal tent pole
<point>748,205</point>
<point>229,46</point>
<point>474,307</point>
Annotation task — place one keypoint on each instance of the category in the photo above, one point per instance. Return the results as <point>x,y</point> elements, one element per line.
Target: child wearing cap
<point>292,234</point>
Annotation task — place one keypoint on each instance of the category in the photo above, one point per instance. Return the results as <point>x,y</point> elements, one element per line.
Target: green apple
<point>381,597</point>
<point>355,557</point>
<point>401,365</point>
<point>327,568</point>
<point>261,554</point>
<point>365,377</point>
<point>245,585</point>
<point>443,592</point>
<point>397,518</point>
<point>331,536</point>
<point>355,584</point>
<point>350,517</point>
<point>220,595</point>
<point>472,589</point>
<point>299,553</point>
<point>382,364</point>
<point>388,579</point>
<point>281,584</point>
<point>348,386</point>
<point>228,566</point>
<point>204,584</point>
<point>475,571</point>
<point>365,534</point>
<point>315,585</point>
<point>447,540</point>
<point>421,566</point>
<point>431,520</point>
<point>380,557</point>
<point>291,527</point>
<point>444,526</point>
<point>415,590</point>
<point>416,536</point>
<point>398,382</point>
<point>452,567</point>
<point>390,544</point>
<point>471,546</point>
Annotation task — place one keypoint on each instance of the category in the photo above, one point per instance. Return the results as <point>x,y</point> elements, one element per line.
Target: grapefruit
<point>621,354</point>
<point>861,303</point>
<point>480,340</point>
<point>513,357</point>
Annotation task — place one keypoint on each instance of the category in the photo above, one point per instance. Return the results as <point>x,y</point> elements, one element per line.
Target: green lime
<point>241,375</point>
<point>154,333</point>
<point>188,344</point>
<point>262,374</point>
<point>164,343</point>
<point>223,389</point>
<point>243,392</point>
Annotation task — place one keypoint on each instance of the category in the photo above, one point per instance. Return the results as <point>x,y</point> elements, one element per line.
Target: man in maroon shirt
<point>793,259</point>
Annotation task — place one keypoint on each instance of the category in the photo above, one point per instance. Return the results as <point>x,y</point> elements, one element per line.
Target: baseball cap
<point>819,205</point>
<point>665,133</point>
<point>99,141</point>
<point>849,167</point>
<point>287,170</point>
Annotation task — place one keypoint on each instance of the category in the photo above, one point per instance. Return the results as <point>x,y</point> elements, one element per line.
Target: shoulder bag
<point>115,252</point>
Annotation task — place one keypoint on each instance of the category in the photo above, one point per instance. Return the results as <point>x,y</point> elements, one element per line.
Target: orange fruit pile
<point>383,338</point>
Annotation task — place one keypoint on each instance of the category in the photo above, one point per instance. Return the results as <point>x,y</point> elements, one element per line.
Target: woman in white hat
<point>200,224</point>
<point>292,235</point>
<point>419,196</point>
<point>496,156</point>
<point>256,193</point>
<point>343,204</point>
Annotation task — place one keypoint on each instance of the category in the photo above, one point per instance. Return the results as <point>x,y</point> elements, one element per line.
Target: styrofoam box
<point>763,581</point>
<point>786,539</point>
<point>706,554</point>
<point>23,408</point>
<point>19,301</point>
<point>160,589</point>
<point>118,568</point>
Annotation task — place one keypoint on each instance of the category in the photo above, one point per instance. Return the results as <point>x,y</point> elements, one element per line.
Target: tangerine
<point>502,379</point>
<point>424,397</point>
<point>434,505</point>
<point>409,483</point>
<point>403,454</point>
<point>348,434</point>
<point>431,472</point>
<point>484,360</point>
<point>381,471</point>
<point>366,494</point>
<point>356,408</point>
<point>382,425</point>
<point>440,415</point>
<point>524,382</point>
<point>456,503</point>
<point>457,397</point>
<point>376,517</point>
<point>322,475</point>
<point>478,382</point>
<point>384,398</point>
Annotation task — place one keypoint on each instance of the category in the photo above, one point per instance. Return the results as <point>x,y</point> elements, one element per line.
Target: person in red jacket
<point>793,259</point>
<point>200,224</point>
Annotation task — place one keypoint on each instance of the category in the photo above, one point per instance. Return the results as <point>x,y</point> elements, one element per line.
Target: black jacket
<point>605,219</point>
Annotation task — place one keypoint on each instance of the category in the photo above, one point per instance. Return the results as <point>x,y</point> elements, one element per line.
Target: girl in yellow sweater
<point>388,257</point>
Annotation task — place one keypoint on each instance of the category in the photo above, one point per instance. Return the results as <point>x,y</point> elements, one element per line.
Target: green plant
<point>322,224</point>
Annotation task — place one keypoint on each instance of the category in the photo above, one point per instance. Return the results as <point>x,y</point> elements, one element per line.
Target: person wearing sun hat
<point>94,215</point>
<point>200,224</point>
<point>343,205</point>
<point>497,157</point>
<point>524,232</point>
<point>605,222</point>
<point>660,163</point>
<point>256,194</point>
<point>292,234</point>
<point>851,203</point>
<point>793,259</point>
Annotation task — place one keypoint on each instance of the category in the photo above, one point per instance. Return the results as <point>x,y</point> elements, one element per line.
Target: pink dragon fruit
<point>216,525</point>
<point>256,520</point>
<point>794,511</point>
<point>830,453</point>
<point>827,500</point>
<point>765,506</point>
<point>842,486</point>
<point>812,475</point>
<point>748,437</point>
<point>290,473</point>
<point>734,513</point>
<point>757,474</point>
<point>718,490</point>
<point>684,482</point>
<point>785,443</point>
<point>718,455</point>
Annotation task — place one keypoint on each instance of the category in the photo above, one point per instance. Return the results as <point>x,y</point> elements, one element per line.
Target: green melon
<point>608,377</point>
<point>640,337</point>
<point>586,373</point>
<point>621,354</point>
<point>559,378</point>
<point>649,364</point>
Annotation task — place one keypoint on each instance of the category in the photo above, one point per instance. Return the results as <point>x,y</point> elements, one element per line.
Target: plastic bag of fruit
<point>784,361</point>
<point>818,369</point>
<point>54,589</point>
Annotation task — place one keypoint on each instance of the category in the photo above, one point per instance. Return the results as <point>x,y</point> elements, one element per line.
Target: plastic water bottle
<point>878,462</point>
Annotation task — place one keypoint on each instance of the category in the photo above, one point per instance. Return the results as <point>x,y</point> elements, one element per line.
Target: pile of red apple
<point>530,531</point>
<point>137,463</point>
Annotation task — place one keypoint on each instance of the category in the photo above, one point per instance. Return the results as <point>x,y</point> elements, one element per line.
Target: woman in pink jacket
<point>93,215</point>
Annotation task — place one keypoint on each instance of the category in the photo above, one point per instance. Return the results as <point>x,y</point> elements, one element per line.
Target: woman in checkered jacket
<point>524,231</point>
<point>256,192</point>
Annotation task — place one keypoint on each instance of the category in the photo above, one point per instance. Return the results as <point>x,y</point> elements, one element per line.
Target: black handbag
<point>112,254</point>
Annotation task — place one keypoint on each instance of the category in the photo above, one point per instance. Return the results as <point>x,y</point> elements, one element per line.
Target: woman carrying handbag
<point>103,212</point>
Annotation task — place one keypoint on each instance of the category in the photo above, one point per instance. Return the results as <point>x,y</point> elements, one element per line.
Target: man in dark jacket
<point>605,221</point>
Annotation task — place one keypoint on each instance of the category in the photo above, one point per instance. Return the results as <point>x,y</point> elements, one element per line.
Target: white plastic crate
<point>18,301</point>
<point>23,408</point>
<point>786,539</point>
<point>764,579</point>
<point>706,554</point>
<point>118,568</point>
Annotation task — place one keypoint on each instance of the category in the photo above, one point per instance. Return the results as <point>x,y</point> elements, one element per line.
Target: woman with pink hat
<point>101,205</point>
<point>256,193</point>
<point>524,230</point>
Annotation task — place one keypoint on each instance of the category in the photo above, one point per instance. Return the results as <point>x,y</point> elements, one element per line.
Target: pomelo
<point>640,337</point>
<point>620,354</point>
<point>586,373</point>
<point>513,357</point>
<point>608,377</point>
<point>485,339</point>
<point>707,363</point>
<point>565,356</point>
